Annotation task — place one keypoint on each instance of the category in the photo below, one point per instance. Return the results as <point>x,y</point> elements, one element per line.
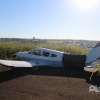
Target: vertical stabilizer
<point>93,54</point>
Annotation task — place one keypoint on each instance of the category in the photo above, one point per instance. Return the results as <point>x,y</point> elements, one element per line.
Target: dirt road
<point>47,84</point>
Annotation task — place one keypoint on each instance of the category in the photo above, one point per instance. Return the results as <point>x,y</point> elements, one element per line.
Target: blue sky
<point>50,19</point>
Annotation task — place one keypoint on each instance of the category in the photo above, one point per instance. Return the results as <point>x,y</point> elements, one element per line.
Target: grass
<point>9,48</point>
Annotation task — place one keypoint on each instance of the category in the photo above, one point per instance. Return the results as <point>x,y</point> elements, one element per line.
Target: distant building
<point>33,38</point>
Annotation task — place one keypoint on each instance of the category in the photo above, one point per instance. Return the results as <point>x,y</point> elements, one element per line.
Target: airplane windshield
<point>37,52</point>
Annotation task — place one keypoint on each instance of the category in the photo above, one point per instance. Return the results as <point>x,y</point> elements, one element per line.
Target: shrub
<point>9,48</point>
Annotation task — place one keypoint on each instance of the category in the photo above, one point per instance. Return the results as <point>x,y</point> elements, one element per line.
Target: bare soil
<point>47,84</point>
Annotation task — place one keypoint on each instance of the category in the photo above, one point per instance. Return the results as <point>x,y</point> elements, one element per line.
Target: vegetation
<point>9,48</point>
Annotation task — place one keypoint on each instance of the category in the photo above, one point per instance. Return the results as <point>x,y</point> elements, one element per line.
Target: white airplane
<point>39,57</point>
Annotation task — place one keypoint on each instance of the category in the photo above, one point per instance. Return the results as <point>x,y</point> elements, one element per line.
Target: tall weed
<point>9,48</point>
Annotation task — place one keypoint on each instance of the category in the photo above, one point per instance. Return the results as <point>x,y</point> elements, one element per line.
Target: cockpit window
<point>46,54</point>
<point>53,55</point>
<point>39,52</point>
<point>36,52</point>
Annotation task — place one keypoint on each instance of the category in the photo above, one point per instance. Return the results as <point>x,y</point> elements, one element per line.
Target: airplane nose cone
<point>21,55</point>
<point>14,57</point>
<point>18,55</point>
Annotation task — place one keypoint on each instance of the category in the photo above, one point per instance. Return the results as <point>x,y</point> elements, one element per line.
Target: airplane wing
<point>14,63</point>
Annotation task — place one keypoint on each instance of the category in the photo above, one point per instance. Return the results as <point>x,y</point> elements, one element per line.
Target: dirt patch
<point>47,84</point>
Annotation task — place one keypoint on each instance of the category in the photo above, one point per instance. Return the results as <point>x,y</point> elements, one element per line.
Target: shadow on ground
<point>60,72</point>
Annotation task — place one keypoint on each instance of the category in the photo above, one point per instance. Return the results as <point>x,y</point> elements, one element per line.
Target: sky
<point>50,19</point>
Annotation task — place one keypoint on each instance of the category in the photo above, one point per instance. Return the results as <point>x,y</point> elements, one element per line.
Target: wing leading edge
<point>14,63</point>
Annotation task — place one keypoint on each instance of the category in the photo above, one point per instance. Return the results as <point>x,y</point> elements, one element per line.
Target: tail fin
<point>93,54</point>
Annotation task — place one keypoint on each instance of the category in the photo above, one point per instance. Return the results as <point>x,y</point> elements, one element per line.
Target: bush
<point>9,48</point>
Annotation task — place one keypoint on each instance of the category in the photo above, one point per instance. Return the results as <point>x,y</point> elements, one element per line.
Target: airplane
<point>40,57</point>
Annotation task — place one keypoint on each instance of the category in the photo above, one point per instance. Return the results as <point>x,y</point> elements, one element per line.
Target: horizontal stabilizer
<point>91,69</point>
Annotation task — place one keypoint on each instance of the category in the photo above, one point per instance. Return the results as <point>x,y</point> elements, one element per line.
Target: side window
<point>46,54</point>
<point>36,52</point>
<point>53,55</point>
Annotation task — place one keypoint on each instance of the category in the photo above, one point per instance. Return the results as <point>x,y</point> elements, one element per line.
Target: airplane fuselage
<point>50,57</point>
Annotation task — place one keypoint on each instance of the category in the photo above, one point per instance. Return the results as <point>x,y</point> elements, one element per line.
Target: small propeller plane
<point>40,57</point>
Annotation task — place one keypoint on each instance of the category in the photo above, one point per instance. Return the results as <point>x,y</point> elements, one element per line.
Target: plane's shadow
<point>60,72</point>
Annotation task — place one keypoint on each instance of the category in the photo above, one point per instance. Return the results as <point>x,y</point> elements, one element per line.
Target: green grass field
<point>9,48</point>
